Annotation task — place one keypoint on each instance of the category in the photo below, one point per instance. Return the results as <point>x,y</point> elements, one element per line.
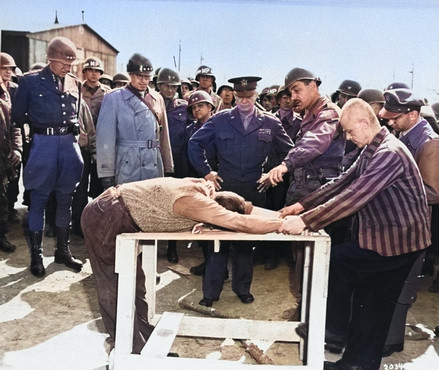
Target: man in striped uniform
<point>384,193</point>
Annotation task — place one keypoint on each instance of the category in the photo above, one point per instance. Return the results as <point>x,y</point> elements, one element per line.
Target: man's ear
<point>364,123</point>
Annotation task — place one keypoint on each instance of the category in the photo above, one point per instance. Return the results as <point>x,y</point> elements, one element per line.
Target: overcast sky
<point>374,42</point>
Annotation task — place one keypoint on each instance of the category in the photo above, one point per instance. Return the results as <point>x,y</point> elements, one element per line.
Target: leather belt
<point>54,131</point>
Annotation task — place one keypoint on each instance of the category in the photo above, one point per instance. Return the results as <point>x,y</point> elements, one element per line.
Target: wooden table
<point>169,325</point>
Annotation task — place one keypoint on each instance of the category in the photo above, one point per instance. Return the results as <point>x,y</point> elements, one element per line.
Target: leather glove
<point>107,182</point>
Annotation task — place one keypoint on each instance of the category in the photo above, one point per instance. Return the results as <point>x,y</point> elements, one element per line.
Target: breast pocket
<point>225,142</point>
<point>264,143</point>
<point>40,102</point>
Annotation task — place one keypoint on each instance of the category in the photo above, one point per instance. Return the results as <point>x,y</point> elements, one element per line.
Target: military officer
<point>206,80</point>
<point>49,99</point>
<point>132,137</point>
<point>92,93</point>
<point>242,139</point>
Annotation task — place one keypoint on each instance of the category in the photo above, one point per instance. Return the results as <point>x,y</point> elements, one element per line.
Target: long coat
<point>127,139</point>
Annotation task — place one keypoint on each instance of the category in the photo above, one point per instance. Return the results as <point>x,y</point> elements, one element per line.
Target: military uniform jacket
<point>319,144</point>
<point>127,145</point>
<point>176,112</point>
<point>54,162</point>
<point>423,143</point>
<point>240,153</point>
<point>46,106</point>
<point>156,101</point>
<point>94,101</point>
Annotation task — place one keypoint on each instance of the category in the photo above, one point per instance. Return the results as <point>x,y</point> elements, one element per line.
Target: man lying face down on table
<point>155,205</point>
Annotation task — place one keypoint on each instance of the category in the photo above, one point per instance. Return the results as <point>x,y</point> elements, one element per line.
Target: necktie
<point>60,84</point>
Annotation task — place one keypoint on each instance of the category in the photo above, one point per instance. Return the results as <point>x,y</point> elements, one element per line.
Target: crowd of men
<point>159,151</point>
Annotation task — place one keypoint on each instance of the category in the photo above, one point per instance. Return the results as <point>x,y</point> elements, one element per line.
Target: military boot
<point>36,253</point>
<point>5,244</point>
<point>62,253</point>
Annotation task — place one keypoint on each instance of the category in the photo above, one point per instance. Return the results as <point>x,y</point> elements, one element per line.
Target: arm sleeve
<point>106,132</point>
<point>315,141</point>
<point>203,209</point>
<point>427,163</point>
<point>203,138</point>
<point>165,141</point>
<point>381,173</point>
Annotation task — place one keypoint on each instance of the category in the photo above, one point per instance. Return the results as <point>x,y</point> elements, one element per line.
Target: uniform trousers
<point>407,297</point>
<point>363,289</point>
<point>54,164</point>
<point>240,252</point>
<point>102,220</point>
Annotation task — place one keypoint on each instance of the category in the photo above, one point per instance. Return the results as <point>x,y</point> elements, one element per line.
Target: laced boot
<point>36,253</point>
<point>62,253</point>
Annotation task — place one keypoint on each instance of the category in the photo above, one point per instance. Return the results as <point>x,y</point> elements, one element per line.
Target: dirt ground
<point>54,322</point>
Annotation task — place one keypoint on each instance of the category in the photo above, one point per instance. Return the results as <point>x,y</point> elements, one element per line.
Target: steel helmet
<point>93,63</point>
<point>187,82</point>
<point>169,77</point>
<point>6,60</point>
<point>204,71</point>
<point>371,96</point>
<point>273,90</point>
<point>349,87</point>
<point>199,96</point>
<point>139,64</point>
<point>61,49</point>
<point>121,77</point>
<point>299,74</point>
<point>37,66</point>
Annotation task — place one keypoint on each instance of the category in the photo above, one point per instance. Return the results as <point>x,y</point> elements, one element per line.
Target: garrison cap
<point>399,101</point>
<point>349,87</point>
<point>244,86</point>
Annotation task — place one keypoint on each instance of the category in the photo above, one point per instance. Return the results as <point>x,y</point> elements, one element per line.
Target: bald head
<point>359,122</point>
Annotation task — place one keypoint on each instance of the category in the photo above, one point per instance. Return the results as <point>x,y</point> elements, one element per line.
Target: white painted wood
<point>315,284</point>
<point>161,339</point>
<point>126,260</point>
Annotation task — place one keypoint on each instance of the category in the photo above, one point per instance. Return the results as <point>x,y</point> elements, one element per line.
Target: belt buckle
<point>62,130</point>
<point>49,131</point>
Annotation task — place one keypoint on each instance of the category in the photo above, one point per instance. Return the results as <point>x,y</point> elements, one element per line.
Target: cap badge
<point>243,82</point>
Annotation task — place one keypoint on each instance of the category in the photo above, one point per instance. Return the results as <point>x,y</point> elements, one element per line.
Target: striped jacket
<point>384,190</point>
